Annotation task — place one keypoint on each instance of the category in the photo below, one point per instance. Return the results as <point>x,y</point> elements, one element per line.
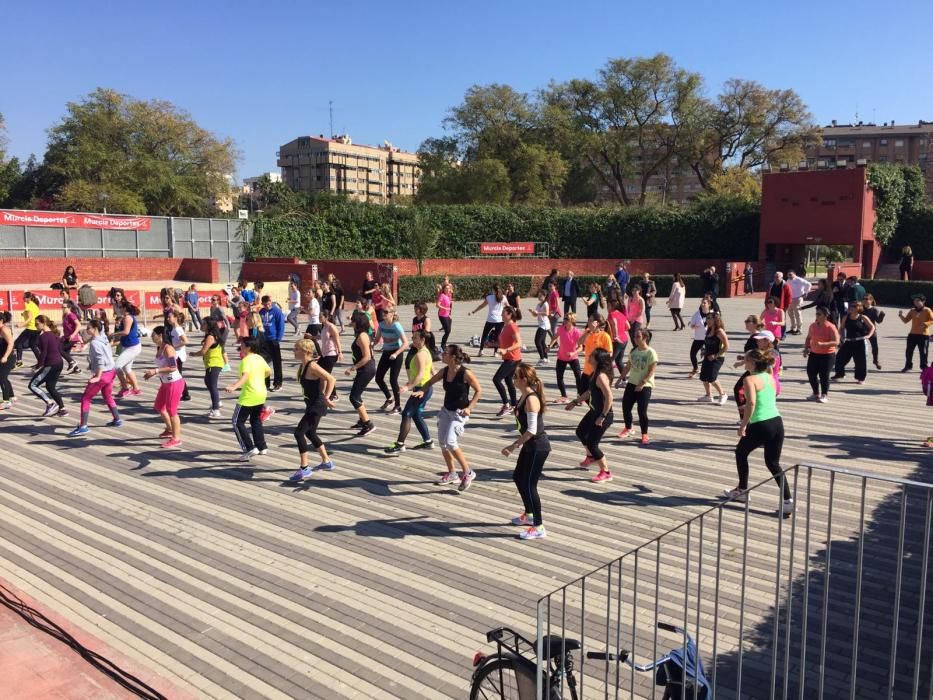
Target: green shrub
<point>897,292</point>
<point>717,227</point>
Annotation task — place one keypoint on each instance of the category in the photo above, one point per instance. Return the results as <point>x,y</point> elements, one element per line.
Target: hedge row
<point>897,292</point>
<point>412,289</point>
<point>713,228</point>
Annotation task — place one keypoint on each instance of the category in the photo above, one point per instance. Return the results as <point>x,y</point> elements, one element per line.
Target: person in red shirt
<point>780,290</point>
<point>510,347</point>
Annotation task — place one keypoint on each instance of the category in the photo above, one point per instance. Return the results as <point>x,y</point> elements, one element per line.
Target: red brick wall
<point>45,271</point>
<point>923,270</point>
<point>351,273</point>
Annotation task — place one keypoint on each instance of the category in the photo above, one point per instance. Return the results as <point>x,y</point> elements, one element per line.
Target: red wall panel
<point>45,271</point>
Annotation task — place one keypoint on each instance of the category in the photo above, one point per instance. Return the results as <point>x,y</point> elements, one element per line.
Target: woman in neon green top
<point>761,427</point>
<point>212,351</point>
<point>420,370</point>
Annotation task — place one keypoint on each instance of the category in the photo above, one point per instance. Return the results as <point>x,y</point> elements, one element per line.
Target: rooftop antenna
<point>331,106</point>
<point>856,112</point>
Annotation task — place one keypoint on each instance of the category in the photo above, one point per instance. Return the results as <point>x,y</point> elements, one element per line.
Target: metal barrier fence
<point>828,603</point>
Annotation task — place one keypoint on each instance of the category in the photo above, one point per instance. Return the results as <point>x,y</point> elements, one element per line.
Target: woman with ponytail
<point>49,368</point>
<point>534,448</point>
<point>103,373</point>
<point>419,365</point>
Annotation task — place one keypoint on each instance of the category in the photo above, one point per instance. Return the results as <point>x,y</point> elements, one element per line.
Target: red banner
<point>53,300</point>
<point>507,248</point>
<point>18,217</point>
<point>154,299</point>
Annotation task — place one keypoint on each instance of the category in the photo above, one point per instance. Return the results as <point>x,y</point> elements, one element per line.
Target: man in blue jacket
<point>621,276</point>
<point>274,322</point>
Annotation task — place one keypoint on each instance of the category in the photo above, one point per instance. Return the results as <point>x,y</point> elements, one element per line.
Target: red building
<point>817,207</point>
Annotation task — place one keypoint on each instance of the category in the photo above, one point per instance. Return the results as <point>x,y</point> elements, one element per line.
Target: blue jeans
<point>414,413</point>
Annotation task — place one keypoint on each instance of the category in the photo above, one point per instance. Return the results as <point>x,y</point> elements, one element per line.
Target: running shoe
<point>813,397</point>
<point>366,429</point>
<point>115,423</point>
<point>625,432</point>
<point>186,397</point>
<point>466,480</point>
<point>214,413</point>
<point>80,430</point>
<point>723,399</point>
<point>645,440</point>
<point>356,426</point>
<point>165,434</point>
<point>787,507</point>
<point>301,473</point>
<point>396,410</point>
<point>823,398</point>
<point>523,519</point>
<point>61,413</point>
<point>134,392</point>
<point>5,405</point>
<point>859,381</point>
<point>533,533</point>
<point>426,445</point>
<point>18,365</point>
<point>907,368</point>
<point>248,455</point>
<point>266,414</point>
<point>225,368</point>
<point>447,478</point>
<point>387,405</point>
<point>50,409</point>
<point>276,388</point>
<point>72,369</point>
<point>738,495</point>
<point>587,461</point>
<point>562,400</point>
<point>877,365</point>
<point>395,448</point>
<point>603,476</point>
<point>706,398</point>
<point>122,394</point>
<point>505,410</point>
<point>264,451</point>
<point>171,442</point>
<point>327,466</point>
<point>929,442</point>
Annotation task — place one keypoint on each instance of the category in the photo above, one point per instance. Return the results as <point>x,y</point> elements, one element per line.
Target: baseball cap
<point>764,335</point>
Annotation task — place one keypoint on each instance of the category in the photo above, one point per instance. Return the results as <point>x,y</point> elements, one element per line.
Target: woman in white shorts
<point>454,414</point>
<point>127,333</point>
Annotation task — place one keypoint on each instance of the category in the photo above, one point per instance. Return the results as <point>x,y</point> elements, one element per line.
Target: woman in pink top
<point>242,314</point>
<point>618,331</point>
<point>773,318</point>
<point>568,350</point>
<point>444,305</point>
<point>635,309</point>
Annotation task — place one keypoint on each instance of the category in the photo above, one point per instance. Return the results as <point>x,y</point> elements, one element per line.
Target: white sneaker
<point>213,413</point>
<point>823,399</point>
<point>264,452</point>
<point>248,455</point>
<point>787,508</point>
<point>723,399</point>
<point>706,398</point>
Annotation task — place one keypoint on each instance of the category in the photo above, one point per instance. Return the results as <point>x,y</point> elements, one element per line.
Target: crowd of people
<point>609,351</point>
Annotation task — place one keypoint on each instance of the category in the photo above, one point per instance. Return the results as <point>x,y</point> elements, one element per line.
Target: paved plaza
<point>371,581</point>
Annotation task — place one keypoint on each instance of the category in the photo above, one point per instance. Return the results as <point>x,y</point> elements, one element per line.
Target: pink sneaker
<point>172,442</point>
<point>562,399</point>
<point>603,476</point>
<point>625,432</point>
<point>522,519</point>
<point>165,434</point>
<point>587,461</point>
<point>122,394</point>
<point>644,439</point>
<point>134,392</point>
<point>266,414</point>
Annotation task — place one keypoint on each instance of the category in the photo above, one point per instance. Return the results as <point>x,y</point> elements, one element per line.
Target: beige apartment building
<point>847,144</point>
<point>367,173</point>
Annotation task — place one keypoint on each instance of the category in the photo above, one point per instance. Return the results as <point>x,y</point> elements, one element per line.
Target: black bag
<point>57,286</point>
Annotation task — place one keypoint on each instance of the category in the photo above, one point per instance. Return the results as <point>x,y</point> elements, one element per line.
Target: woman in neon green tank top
<point>761,427</point>
<point>420,370</point>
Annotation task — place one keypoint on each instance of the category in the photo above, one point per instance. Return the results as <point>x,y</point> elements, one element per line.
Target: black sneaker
<point>396,448</point>
<point>908,368</point>
<point>366,429</point>
<point>396,410</point>
<point>426,445</point>
<point>356,426</point>
<point>387,405</point>
<point>277,387</point>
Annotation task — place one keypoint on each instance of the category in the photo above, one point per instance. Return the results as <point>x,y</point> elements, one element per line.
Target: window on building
<point>884,142</point>
<point>882,159</point>
<point>866,144</point>
<point>830,143</point>
<point>899,143</point>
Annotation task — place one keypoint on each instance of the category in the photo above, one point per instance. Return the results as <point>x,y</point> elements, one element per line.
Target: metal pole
<point>540,650</point>
<point>829,553</point>
<point>923,588</point>
<point>805,613</point>
<point>858,592</point>
<point>897,591</point>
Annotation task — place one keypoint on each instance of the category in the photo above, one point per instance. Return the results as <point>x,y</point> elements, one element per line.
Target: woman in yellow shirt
<point>29,337</point>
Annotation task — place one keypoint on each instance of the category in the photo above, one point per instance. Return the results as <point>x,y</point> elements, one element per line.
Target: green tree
<point>422,237</point>
<point>900,195</point>
<point>746,127</point>
<point>736,182</point>
<point>133,156</point>
<point>627,124</point>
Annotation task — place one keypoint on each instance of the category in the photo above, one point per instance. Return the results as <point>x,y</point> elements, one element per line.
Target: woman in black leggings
<point>211,351</point>
<point>49,368</point>
<point>510,348</point>
<point>394,344</point>
<point>534,448</point>
<point>365,367</point>
<point>598,419</point>
<point>316,386</point>
<point>567,340</point>
<point>7,360</point>
<point>698,326</point>
<point>820,350</point>
<point>639,373</point>
<point>540,312</point>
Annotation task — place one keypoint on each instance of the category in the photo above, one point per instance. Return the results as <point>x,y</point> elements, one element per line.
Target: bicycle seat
<point>554,645</point>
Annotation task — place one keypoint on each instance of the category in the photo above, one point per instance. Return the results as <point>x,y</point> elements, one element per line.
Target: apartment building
<point>847,144</point>
<point>250,183</point>
<point>367,173</point>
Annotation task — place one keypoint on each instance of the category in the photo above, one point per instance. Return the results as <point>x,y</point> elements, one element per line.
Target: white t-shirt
<point>495,308</point>
<point>178,334</point>
<point>543,320</point>
<point>699,333</point>
<point>314,311</point>
<point>294,299</point>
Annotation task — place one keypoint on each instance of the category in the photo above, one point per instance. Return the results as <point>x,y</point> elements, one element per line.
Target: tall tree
<point>132,156</point>
<point>747,126</point>
<point>627,124</point>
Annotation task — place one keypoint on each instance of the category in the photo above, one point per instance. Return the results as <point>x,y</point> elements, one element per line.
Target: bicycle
<point>511,673</point>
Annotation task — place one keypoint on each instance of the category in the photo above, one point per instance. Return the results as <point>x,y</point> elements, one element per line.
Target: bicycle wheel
<point>497,680</point>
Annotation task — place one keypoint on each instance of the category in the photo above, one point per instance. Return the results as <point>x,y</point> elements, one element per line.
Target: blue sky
<point>263,73</point>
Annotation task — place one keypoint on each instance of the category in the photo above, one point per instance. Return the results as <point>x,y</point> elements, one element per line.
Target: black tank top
<point>358,353</point>
<point>3,347</point>
<point>417,323</point>
<point>712,345</point>
<point>854,327</point>
<point>750,344</point>
<point>597,400</point>
<point>310,388</point>
<point>456,391</point>
<point>540,440</point>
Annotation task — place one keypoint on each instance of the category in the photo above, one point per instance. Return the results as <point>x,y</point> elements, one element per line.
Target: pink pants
<point>104,386</point>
